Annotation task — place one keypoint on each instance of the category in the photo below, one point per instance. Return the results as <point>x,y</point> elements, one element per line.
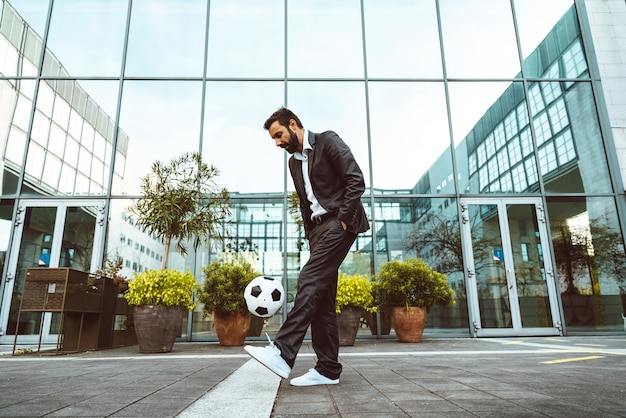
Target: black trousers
<point>314,304</point>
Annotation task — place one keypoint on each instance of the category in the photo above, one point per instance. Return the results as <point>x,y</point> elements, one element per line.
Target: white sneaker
<point>270,357</point>
<point>313,378</point>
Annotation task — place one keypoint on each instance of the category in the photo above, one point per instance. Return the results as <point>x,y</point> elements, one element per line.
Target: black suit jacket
<point>337,182</point>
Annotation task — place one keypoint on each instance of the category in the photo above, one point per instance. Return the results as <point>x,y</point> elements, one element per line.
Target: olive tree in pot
<point>180,203</point>
<point>408,289</point>
<point>223,297</point>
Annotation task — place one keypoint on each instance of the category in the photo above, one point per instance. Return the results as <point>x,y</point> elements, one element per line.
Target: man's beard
<point>293,144</point>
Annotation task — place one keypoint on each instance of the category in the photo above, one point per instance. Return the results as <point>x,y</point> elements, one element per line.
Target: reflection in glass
<point>425,228</point>
<point>590,260</point>
<point>78,235</point>
<point>528,266</point>
<point>75,27</point>
<point>313,32</point>
<point>569,142</point>
<point>35,251</point>
<point>395,106</point>
<point>253,52</point>
<point>550,40</point>
<point>234,139</point>
<point>479,39</point>
<point>71,142</point>
<point>21,29</point>
<point>159,120</point>
<point>405,25</point>
<point>496,156</point>
<point>489,267</point>
<point>166,38</point>
<point>333,106</point>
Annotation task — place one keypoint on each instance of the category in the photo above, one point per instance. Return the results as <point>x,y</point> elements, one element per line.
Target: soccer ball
<point>264,296</point>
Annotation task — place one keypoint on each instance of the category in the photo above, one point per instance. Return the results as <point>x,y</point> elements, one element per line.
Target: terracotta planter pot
<point>348,322</point>
<point>231,327</point>
<point>157,327</point>
<point>408,323</point>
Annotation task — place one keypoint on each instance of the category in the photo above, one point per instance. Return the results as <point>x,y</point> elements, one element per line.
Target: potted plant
<point>180,203</point>
<point>354,297</point>
<point>161,298</point>
<point>409,289</point>
<point>223,297</point>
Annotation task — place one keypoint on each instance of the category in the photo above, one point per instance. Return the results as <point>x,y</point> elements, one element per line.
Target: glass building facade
<point>483,130</point>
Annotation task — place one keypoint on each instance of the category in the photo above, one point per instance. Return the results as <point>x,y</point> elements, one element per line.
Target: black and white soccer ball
<point>264,296</point>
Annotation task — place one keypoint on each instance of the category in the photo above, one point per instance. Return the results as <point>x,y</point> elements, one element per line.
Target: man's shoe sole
<point>280,374</point>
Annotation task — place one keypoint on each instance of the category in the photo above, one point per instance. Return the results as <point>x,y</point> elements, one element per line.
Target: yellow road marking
<point>592,345</point>
<point>557,340</point>
<point>565,360</point>
<point>513,342</point>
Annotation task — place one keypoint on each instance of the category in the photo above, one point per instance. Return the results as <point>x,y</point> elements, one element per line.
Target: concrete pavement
<point>456,377</point>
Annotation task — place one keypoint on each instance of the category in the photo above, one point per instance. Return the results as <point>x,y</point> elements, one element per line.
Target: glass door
<point>48,234</point>
<point>510,281</point>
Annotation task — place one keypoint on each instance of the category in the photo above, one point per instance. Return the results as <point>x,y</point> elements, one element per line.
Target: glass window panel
<point>45,99</point>
<point>542,128</point>
<point>547,159</point>
<point>52,171</point>
<point>531,173</point>
<point>316,29</point>
<point>15,146</point>
<point>159,120</point>
<point>429,229</point>
<point>56,143</point>
<point>9,55</point>
<point>82,184</point>
<point>558,116</point>
<point>565,147</point>
<point>34,13</point>
<point>97,172</point>
<point>424,105</point>
<point>526,142</point>
<point>515,153</point>
<point>520,182</point>
<point>536,19</point>
<point>22,113</point>
<point>66,182</point>
<point>71,152</point>
<point>545,36</point>
<point>61,113</point>
<point>588,174</point>
<point>471,104</point>
<point>20,46</point>
<point>84,161</point>
<point>98,146</point>
<point>166,38</point>
<point>90,97</point>
<point>41,129</point>
<point>479,39</point>
<point>574,61</point>
<point>411,27</point>
<point>590,260</point>
<point>256,51</point>
<point>76,124</point>
<point>480,114</point>
<point>249,160</point>
<point>76,26</point>
<point>503,160</point>
<point>334,106</point>
<point>35,161</point>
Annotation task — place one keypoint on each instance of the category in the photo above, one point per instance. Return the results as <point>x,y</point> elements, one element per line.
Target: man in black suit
<point>330,184</point>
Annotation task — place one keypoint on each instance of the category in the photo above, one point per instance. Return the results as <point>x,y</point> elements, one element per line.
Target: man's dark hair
<point>282,115</point>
